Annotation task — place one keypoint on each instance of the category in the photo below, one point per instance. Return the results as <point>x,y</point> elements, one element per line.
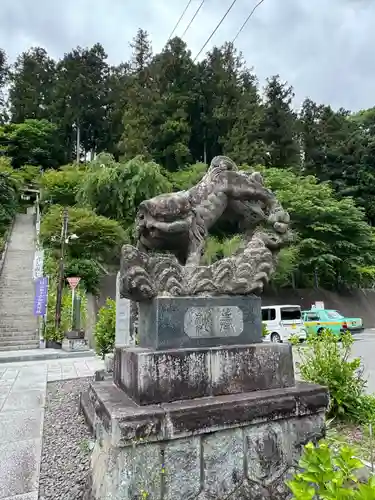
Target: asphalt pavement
<point>364,348</point>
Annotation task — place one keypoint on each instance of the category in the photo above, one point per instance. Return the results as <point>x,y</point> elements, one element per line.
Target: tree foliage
<point>32,80</point>
<point>8,200</point>
<point>97,236</point>
<point>105,329</point>
<point>333,237</point>
<point>116,189</point>
<point>32,142</point>
<point>4,74</point>
<point>61,186</point>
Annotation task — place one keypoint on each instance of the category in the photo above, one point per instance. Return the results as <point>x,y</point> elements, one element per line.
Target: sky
<point>323,48</point>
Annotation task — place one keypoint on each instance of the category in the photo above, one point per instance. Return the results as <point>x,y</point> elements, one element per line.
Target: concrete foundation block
<point>151,377</point>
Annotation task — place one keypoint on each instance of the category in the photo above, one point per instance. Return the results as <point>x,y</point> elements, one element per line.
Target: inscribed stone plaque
<point>219,321</point>
<point>187,322</point>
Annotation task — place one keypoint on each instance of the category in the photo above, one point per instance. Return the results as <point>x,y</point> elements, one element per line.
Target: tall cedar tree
<point>279,125</point>
<point>32,85</point>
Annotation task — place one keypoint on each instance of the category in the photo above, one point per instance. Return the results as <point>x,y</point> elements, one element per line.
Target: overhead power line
<point>246,20</point>
<point>192,19</point>
<point>215,30</point>
<point>180,19</point>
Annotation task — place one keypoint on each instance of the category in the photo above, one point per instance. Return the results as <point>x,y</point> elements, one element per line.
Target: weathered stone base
<point>75,345</point>
<point>150,377</point>
<point>239,446</point>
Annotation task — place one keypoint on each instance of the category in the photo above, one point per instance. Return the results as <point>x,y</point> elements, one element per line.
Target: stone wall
<point>238,447</point>
<point>248,462</point>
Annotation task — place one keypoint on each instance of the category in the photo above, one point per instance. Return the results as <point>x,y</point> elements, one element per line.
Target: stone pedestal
<point>240,446</point>
<point>149,376</point>
<point>205,421</point>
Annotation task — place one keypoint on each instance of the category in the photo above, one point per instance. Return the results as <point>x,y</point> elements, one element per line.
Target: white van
<point>282,322</point>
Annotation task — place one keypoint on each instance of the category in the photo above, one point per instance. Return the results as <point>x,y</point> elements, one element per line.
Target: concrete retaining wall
<point>357,303</point>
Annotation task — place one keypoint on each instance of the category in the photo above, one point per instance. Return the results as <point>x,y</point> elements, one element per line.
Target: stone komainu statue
<point>171,231</point>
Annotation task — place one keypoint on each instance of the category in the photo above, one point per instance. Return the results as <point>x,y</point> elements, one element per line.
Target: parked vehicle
<point>282,322</point>
<point>316,320</point>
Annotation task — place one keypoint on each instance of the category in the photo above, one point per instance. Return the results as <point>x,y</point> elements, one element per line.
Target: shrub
<point>61,186</point>
<point>105,328</point>
<point>29,174</point>
<point>88,270</point>
<point>326,361</point>
<point>116,189</point>
<point>8,199</point>
<point>98,237</point>
<point>50,332</point>
<point>188,176</point>
<point>265,331</point>
<point>327,474</point>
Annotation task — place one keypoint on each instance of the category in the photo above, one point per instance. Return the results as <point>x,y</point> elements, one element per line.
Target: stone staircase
<point>18,325</point>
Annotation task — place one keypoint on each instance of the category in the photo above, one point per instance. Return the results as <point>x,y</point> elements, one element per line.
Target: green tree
<point>224,79</point>
<point>98,237</point>
<point>81,96</point>
<point>114,104</point>
<point>141,101</point>
<point>4,74</point>
<point>334,238</point>
<point>328,138</point>
<point>60,187</point>
<point>33,142</point>
<point>244,141</point>
<point>32,80</point>
<point>361,176</point>
<point>8,200</point>
<point>176,75</point>
<point>116,189</point>
<point>187,177</point>
<point>105,329</point>
<point>279,125</point>
<point>340,148</point>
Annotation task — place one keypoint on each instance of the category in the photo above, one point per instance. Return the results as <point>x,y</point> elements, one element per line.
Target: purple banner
<point>41,295</point>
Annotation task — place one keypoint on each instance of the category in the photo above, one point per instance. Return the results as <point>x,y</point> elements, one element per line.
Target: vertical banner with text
<point>38,264</point>
<point>41,296</point>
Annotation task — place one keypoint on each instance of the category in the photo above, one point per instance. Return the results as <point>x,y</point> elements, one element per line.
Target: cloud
<point>323,48</point>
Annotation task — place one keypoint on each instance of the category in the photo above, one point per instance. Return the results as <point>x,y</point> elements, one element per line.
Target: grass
<point>357,436</point>
<point>86,446</point>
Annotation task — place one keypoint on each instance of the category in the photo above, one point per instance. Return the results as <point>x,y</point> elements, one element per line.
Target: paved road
<point>364,347</point>
<point>22,402</point>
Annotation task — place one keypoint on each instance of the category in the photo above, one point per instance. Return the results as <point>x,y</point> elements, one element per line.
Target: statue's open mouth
<point>156,235</point>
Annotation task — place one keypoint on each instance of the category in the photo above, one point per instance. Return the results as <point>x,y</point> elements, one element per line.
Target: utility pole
<point>78,144</point>
<point>60,284</point>
<point>316,278</point>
